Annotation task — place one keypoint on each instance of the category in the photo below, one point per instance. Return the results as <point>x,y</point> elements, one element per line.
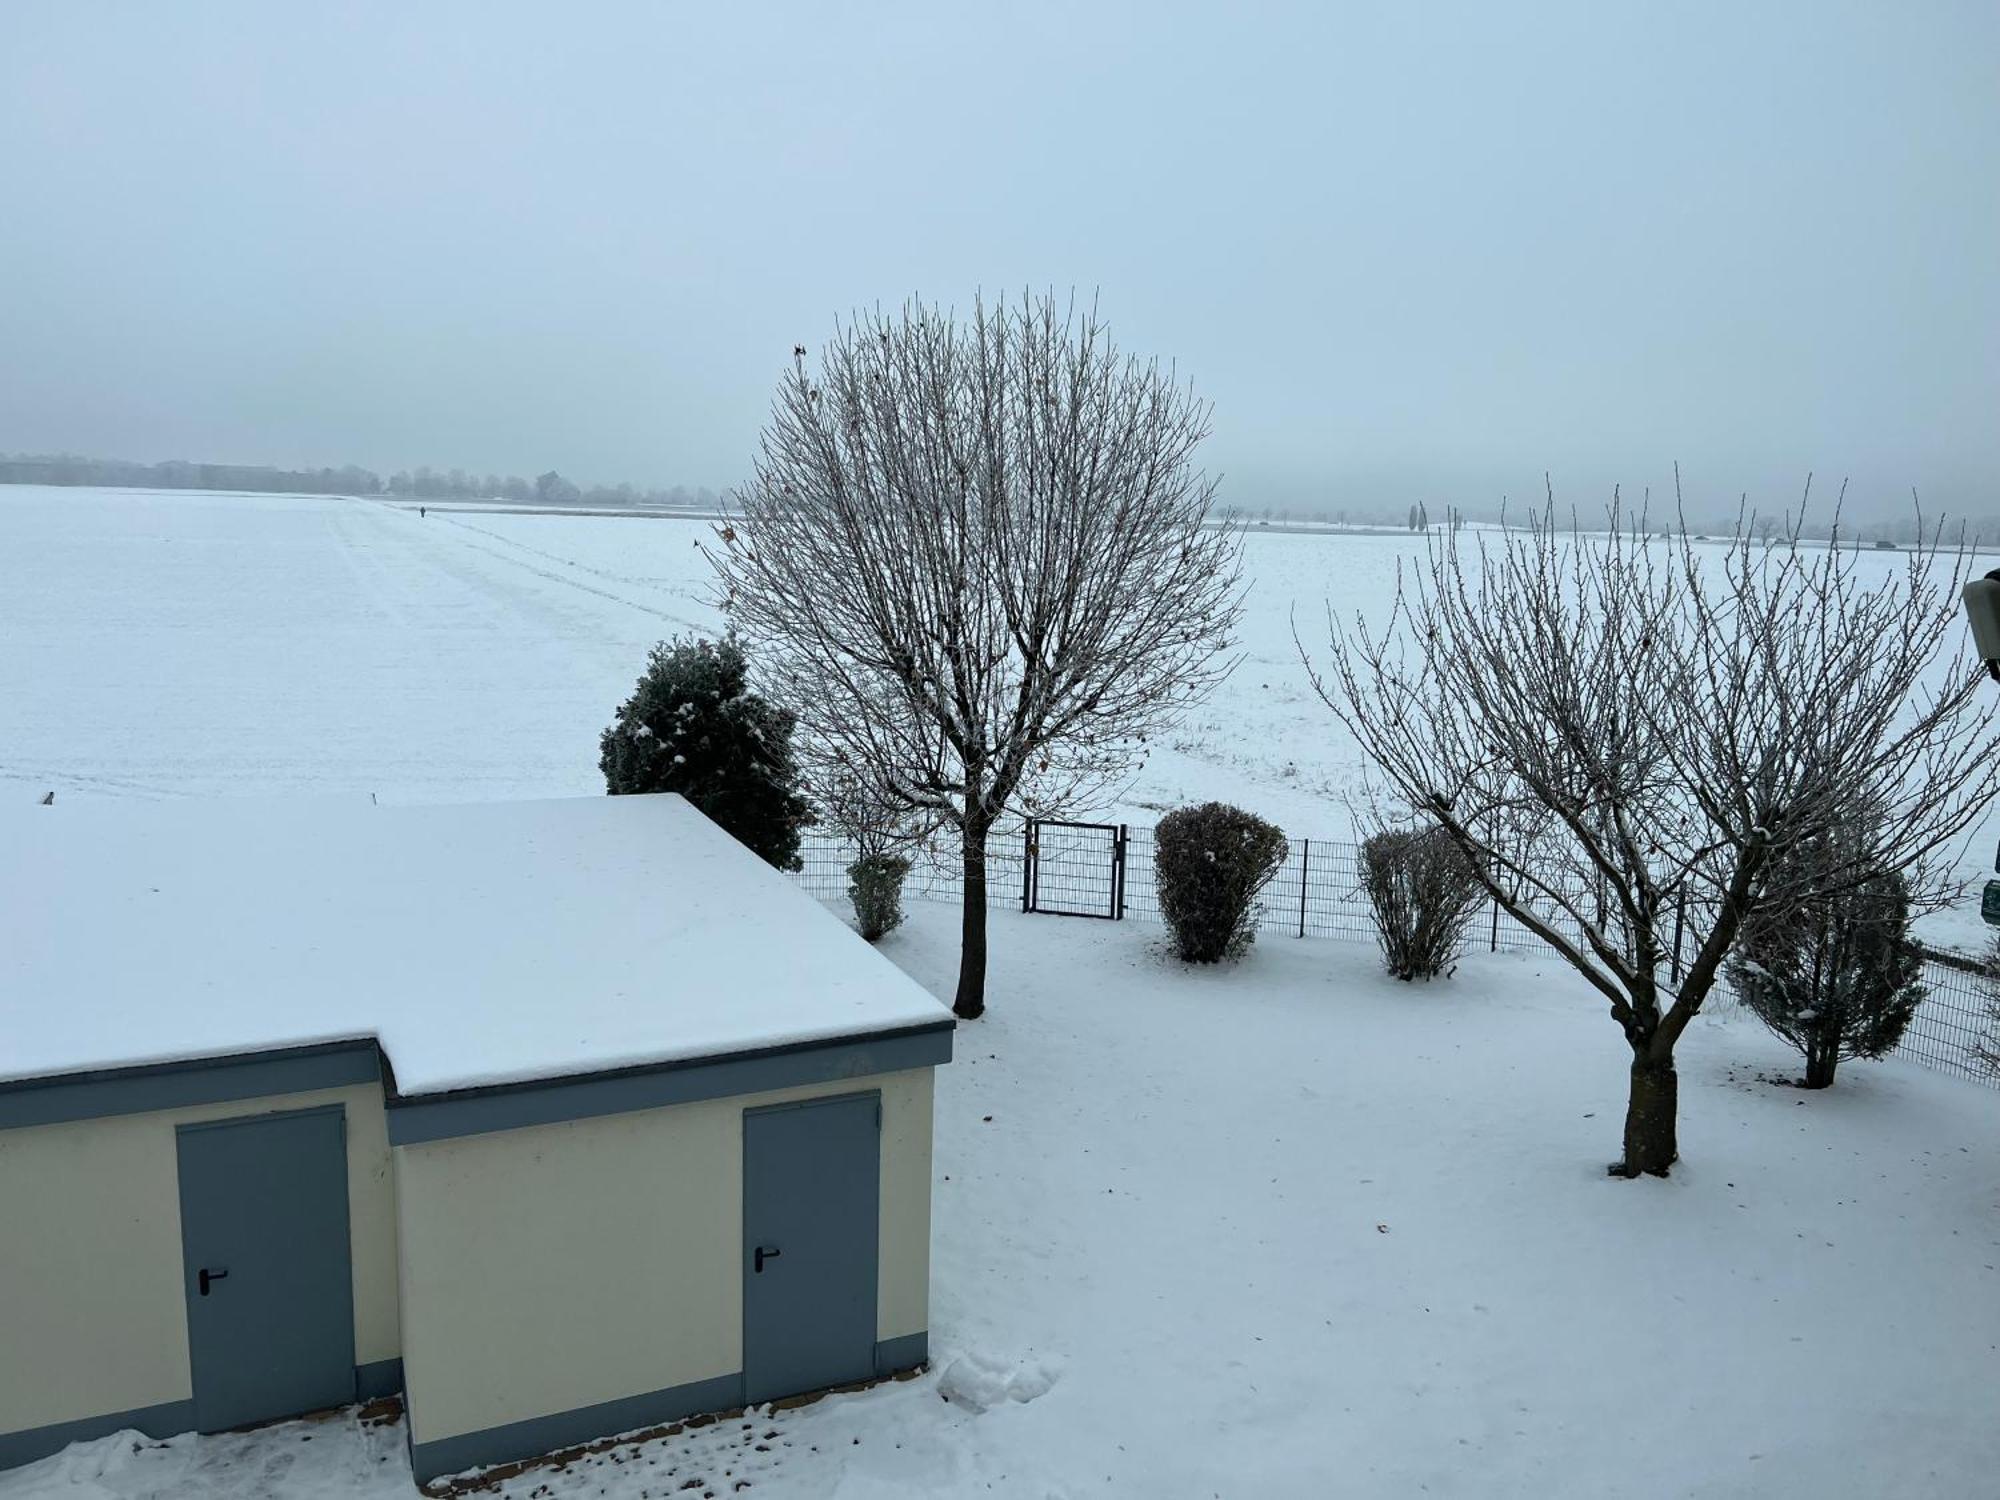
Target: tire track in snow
<point>563,578</point>
<point>57,780</point>
<point>643,580</point>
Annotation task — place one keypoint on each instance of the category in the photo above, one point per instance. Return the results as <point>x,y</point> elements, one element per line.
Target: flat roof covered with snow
<point>480,944</point>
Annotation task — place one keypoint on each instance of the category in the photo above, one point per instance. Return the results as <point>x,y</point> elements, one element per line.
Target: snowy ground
<point>1289,1229</point>
<point>1279,1230</point>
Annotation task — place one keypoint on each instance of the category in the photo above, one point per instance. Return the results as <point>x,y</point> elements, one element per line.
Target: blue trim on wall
<point>893,1356</point>
<point>589,1424</point>
<point>493,1445</point>
<point>440,1117</point>
<point>176,1085</point>
<point>299,1070</point>
<point>164,1420</point>
<point>538,1435</point>
<point>384,1377</point>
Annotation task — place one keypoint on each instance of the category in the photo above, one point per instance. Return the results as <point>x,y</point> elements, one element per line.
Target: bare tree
<point>1670,723</point>
<point>981,560</point>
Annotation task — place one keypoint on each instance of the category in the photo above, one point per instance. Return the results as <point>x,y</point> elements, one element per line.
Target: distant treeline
<point>545,489</point>
<point>176,474</point>
<point>422,483</point>
<point>552,489</point>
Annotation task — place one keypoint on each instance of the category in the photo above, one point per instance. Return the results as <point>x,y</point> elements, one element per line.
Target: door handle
<point>764,1253</point>
<point>208,1276</point>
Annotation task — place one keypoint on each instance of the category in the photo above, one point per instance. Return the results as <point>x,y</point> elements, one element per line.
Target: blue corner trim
<point>176,1085</point>
<point>893,1356</point>
<point>538,1435</point>
<point>382,1378</point>
<point>437,1117</point>
<point>17,1448</point>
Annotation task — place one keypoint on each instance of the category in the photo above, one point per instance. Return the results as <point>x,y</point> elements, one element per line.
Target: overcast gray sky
<point>1406,250</point>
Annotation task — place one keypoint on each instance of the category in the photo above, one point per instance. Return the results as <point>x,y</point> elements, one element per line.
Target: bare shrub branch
<point>1422,892</point>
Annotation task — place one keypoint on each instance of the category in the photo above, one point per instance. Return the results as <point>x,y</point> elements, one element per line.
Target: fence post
<point>1028,865</point>
<point>1118,877</point>
<point>1305,883</point>
<point>1495,901</point>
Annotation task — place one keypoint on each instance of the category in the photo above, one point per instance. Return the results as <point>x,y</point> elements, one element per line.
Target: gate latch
<point>764,1253</point>
<point>207,1276</point>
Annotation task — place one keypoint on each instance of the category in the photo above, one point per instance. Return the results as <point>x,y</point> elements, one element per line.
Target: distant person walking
<point>421,512</point>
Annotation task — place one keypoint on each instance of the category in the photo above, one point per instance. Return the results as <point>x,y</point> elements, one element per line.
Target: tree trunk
<point>1821,1059</point>
<point>1650,1142</point>
<point>970,1002</point>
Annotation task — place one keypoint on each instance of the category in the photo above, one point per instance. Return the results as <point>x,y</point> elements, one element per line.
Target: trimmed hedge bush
<point>1422,891</point>
<point>875,886</point>
<point>1209,863</point>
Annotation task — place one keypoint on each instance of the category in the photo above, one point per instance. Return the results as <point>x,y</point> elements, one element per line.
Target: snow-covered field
<point>168,643</point>
<point>1289,1229</point>
<point>173,644</point>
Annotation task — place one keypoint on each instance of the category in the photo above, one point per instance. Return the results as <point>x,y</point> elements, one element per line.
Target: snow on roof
<point>487,943</point>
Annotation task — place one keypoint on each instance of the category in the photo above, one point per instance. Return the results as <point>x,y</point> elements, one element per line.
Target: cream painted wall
<point>558,1266</point>
<point>93,1314</point>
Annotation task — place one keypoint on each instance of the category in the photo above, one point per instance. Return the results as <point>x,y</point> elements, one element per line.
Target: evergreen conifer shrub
<point>693,726</point>
<point>1837,976</point>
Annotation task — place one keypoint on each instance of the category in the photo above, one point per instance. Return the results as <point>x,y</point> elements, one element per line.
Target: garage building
<point>560,1118</point>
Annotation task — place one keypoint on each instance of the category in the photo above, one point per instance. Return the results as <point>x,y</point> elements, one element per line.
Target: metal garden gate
<point>1074,869</point>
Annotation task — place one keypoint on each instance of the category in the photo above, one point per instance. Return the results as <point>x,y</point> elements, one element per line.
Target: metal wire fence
<point>1954,1017</point>
<point>1106,871</point>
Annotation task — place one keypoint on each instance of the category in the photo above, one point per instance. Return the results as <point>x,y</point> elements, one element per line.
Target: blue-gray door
<point>264,1246</point>
<point>812,1183</point>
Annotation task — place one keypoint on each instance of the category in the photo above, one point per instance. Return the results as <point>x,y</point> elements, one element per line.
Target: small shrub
<point>875,886</point>
<point>1422,891</point>
<point>693,726</point>
<point>1209,863</point>
<point>1836,976</point>
<point>875,823</point>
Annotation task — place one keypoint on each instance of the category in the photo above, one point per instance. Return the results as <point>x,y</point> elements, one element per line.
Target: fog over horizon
<point>1411,254</point>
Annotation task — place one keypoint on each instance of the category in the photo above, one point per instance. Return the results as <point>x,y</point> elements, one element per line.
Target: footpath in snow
<point>1285,1228</point>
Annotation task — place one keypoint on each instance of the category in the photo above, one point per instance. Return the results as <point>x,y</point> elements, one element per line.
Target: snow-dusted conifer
<point>693,726</point>
<point>1836,974</point>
